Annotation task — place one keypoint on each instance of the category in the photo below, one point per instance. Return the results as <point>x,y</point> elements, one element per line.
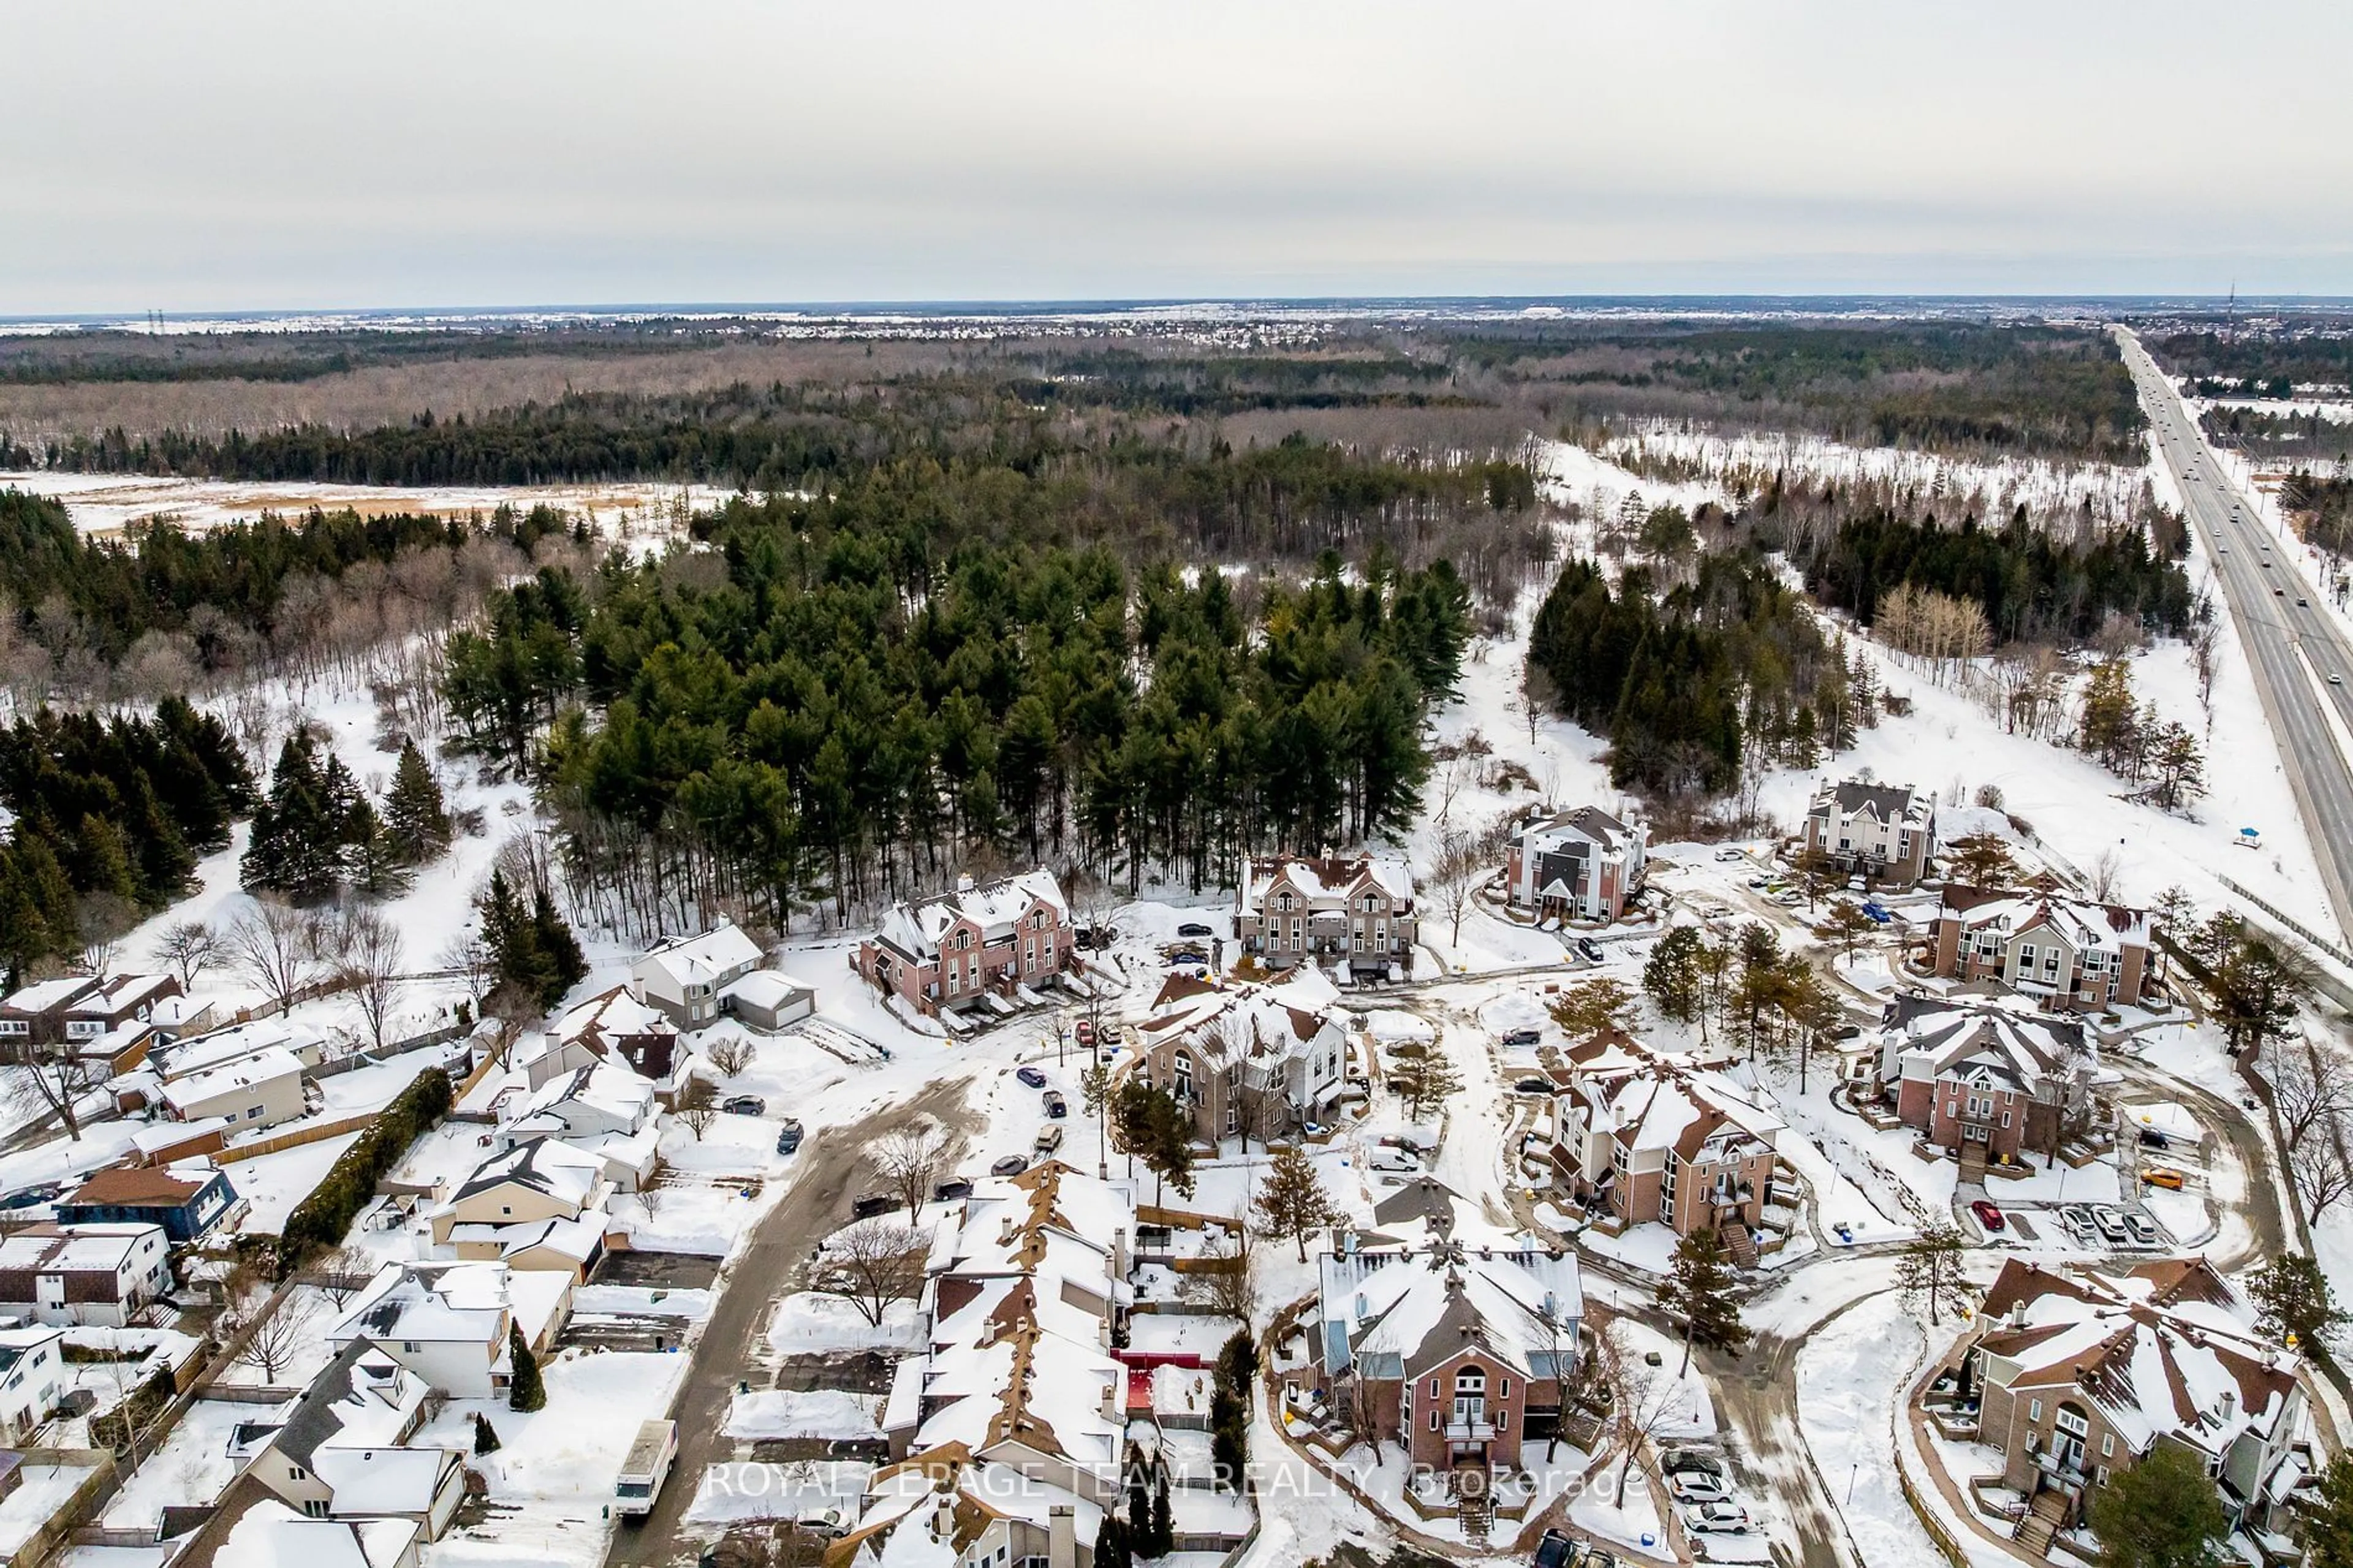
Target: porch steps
<point>1739,1245</point>
<point>2042,1522</point>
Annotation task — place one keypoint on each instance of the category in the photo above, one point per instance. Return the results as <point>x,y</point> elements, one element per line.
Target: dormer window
<point>1283,901</point>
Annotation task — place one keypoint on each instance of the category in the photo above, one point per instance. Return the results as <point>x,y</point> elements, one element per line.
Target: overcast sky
<point>236,154</point>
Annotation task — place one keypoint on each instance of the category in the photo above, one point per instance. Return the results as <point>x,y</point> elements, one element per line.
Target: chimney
<point>2230,1405</point>
<point>963,884</point>
<point>1062,1537</point>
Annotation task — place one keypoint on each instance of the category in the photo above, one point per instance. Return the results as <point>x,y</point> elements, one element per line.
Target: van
<point>645,1468</point>
<point>1047,1142</point>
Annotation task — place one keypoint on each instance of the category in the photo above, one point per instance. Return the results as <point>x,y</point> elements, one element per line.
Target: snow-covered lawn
<point>1848,1390</point>
<point>192,1467</point>
<point>273,1185</point>
<point>790,1412</point>
<point>808,1324</point>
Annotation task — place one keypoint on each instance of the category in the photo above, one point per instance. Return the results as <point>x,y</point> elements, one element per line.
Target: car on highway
<point>745,1105</point>
<point>1011,1166</point>
<point>2336,681</point>
<point>788,1137</point>
<point>1031,1077</point>
<point>1988,1216</point>
<point>2165,1176</point>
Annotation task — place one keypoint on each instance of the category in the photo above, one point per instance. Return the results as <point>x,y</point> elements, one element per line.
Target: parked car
<point>1697,1485</point>
<point>1789,898</point>
<point>1691,1456</point>
<point>2150,1138</point>
<point>1048,1141</point>
<point>1728,853</point>
<point>1083,1032</point>
<point>1589,948</point>
<point>1555,1551</point>
<point>1535,1085</point>
<point>1031,1077</point>
<point>1988,1216</point>
<point>2110,1224</point>
<point>2143,1228</point>
<point>1760,881</point>
<point>1854,884</point>
<point>1717,913</point>
<point>2165,1176</point>
<point>1514,1038</point>
<point>949,1192</point>
<point>1721,1517</point>
<point>1193,928</point>
<point>745,1105</point>
<point>1011,1166</point>
<point>788,1137</point>
<point>1394,1161</point>
<point>1056,1106</point>
<point>869,1204</point>
<point>30,1197</point>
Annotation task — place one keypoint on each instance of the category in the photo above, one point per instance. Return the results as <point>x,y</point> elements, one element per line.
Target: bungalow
<point>1582,864</point>
<point>1291,909</point>
<point>984,937</point>
<point>32,1380</point>
<point>185,1202</point>
<point>345,1451</point>
<point>83,1274</point>
<point>258,1091</point>
<point>195,1053</point>
<point>1458,1357</point>
<point>2068,952</point>
<point>682,976</point>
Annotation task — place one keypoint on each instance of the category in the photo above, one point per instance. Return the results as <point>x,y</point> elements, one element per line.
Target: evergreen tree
<point>1671,973</point>
<point>297,843</point>
<point>1292,1201</point>
<point>1699,1289</point>
<point>2162,1512</point>
<point>2329,1518</point>
<point>1929,1268</point>
<point>524,1390</point>
<point>1161,1538</point>
<point>369,853</point>
<point>485,1437</point>
<point>1112,1550</point>
<point>414,811</point>
<point>2293,1296</point>
<point>561,960</point>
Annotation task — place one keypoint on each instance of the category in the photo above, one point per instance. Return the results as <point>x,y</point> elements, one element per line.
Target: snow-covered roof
<point>610,1013</point>
<point>600,1087</point>
<point>43,995</point>
<point>262,1066</point>
<point>1652,1100</point>
<point>269,1534</point>
<point>576,1239</point>
<point>124,991</point>
<point>199,1053</point>
<point>1396,1312</point>
<point>1229,1024</point>
<point>767,988</point>
<point>74,1249</point>
<point>1878,802</point>
<point>382,1481</point>
<point>1328,882</point>
<point>547,1166</point>
<point>1590,823</point>
<point>1985,1040</point>
<point>461,1303</point>
<point>996,907</point>
<point>2084,926</point>
<point>702,960</point>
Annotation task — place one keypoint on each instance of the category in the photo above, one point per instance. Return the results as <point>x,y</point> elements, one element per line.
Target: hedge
<point>322,1220</point>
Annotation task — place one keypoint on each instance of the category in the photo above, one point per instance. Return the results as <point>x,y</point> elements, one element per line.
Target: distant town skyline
<point>244,156</point>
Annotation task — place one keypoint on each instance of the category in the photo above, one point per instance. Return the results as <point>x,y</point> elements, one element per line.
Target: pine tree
<point>2162,1512</point>
<point>1293,1201</point>
<point>525,1391</point>
<point>1161,1538</point>
<point>297,844</point>
<point>485,1437</point>
<point>563,965</point>
<point>1112,1550</point>
<point>1699,1291</point>
<point>369,853</point>
<point>2329,1518</point>
<point>414,811</point>
<point>1929,1268</point>
<point>1671,973</point>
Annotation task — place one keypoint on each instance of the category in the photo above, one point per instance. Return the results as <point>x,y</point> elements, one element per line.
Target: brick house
<point>1251,1061</point>
<point>1584,865</point>
<point>126,999</point>
<point>948,951</point>
<point>2083,1373</point>
<point>85,1274</point>
<point>1458,1357</point>
<point>1885,831</point>
<point>1290,910</point>
<point>1643,1137</point>
<point>35,1014</point>
<point>1991,1078</point>
<point>2067,952</point>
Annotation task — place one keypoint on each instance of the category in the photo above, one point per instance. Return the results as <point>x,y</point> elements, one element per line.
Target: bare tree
<point>730,1055</point>
<point>874,1263</point>
<point>515,1010</point>
<point>2312,1094</point>
<point>345,1272</point>
<point>2324,1178</point>
<point>276,946</point>
<point>2104,874</point>
<point>368,959</point>
<point>55,1078</point>
<point>698,1105</point>
<point>186,947</point>
<point>909,1160</point>
<point>472,959</point>
<point>1227,1281</point>
<point>1642,1397</point>
<point>101,919</point>
<point>274,1343</point>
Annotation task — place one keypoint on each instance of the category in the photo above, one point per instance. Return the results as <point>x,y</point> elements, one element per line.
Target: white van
<point>645,1469</point>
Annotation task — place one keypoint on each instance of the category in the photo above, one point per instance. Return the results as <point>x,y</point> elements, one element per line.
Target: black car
<point>1056,1107</point>
<point>1555,1551</point>
<point>1031,1077</point>
<point>745,1105</point>
<point>1533,1085</point>
<point>788,1137</point>
<point>948,1191</point>
<point>1011,1166</point>
<point>1523,1037</point>
<point>29,1197</point>
<point>1589,948</point>
<point>1193,928</point>
<point>2150,1138</point>
<point>872,1204</point>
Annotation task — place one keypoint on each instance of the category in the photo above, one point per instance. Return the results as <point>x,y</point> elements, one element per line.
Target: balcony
<point>1471,1431</point>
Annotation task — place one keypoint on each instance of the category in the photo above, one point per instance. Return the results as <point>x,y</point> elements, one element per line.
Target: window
<point>2034,1410</point>
<point>2108,1445</point>
<point>1503,1420</point>
<point>2100,1475</point>
<point>1433,1420</point>
<point>1503,1388</point>
<point>316,1507</point>
<point>1434,1388</point>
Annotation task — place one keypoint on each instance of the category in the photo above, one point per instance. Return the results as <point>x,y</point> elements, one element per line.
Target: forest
<point>1689,682</point>
<point>2257,363</point>
<point>855,698</point>
<point>2322,506</point>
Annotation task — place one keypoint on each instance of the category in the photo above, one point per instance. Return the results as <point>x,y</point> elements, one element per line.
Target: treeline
<point>219,593</point>
<point>2032,586</point>
<point>2250,365</point>
<point>1688,682</point>
<point>856,709</point>
<point>108,818</point>
<point>2279,433</point>
<point>2323,507</point>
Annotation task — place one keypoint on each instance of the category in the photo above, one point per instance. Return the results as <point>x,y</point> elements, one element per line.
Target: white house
<point>1885,832</point>
<point>682,976</point>
<point>1583,864</point>
<point>32,1380</point>
<point>542,1179</point>
<point>258,1091</point>
<point>346,1451</point>
<point>84,1274</point>
<point>449,1322</point>
<point>590,1101</point>
<point>270,1535</point>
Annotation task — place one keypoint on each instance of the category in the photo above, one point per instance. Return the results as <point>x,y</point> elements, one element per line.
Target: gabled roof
<point>269,1534</point>
<point>146,1186</point>
<point>456,1303</point>
<point>76,1249</point>
<point>363,1396</point>
<point>997,908</point>
<point>123,991</point>
<point>1590,823</point>
<point>702,960</point>
<point>262,1066</point>
<point>1998,1038</point>
<point>1882,803</point>
<point>1649,1101</point>
<point>602,1087</point>
<point>44,994</point>
<point>2081,924</point>
<point>1329,880</point>
<point>610,1015</point>
<point>1400,1312</point>
<point>1231,1022</point>
<point>547,1166</point>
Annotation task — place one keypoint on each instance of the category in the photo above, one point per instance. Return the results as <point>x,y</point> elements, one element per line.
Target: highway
<point>2268,595</point>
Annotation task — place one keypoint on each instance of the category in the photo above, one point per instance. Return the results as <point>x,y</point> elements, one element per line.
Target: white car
<point>1697,1486</point>
<point>1393,1160</point>
<point>1718,1518</point>
<point>1730,855</point>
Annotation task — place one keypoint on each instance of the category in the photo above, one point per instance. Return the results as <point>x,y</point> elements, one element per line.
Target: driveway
<point>816,1205</point>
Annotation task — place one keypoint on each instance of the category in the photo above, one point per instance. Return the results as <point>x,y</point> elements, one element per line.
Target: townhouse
<point>2065,953</point>
<point>1883,832</point>
<point>1248,1060</point>
<point>1989,1078</point>
<point>1356,910</point>
<point>1458,1357</point>
<point>35,1014</point>
<point>1645,1137</point>
<point>83,1274</point>
<point>1578,865</point>
<point>985,939</point>
<point>2084,1374</point>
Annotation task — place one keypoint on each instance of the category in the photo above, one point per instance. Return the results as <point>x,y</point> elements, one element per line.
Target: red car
<point>1987,1216</point>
